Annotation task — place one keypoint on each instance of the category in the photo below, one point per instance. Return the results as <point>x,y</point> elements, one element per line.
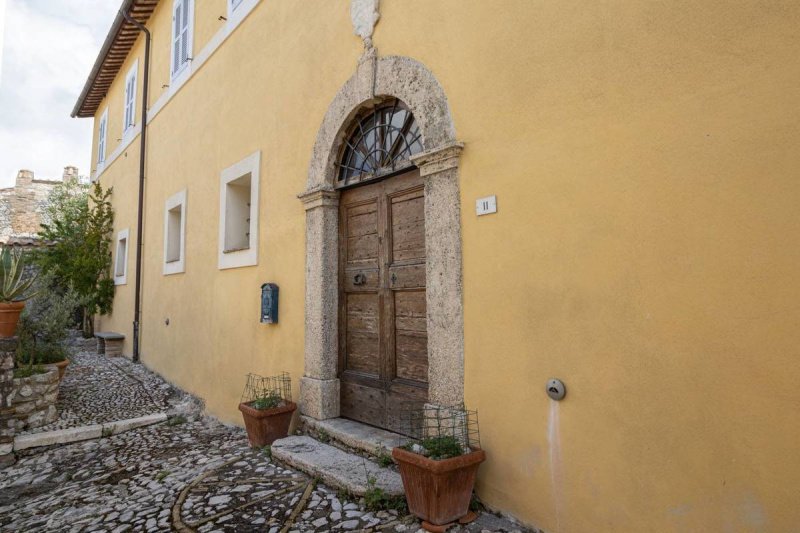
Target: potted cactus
<point>267,408</point>
<point>15,284</point>
<point>439,465</point>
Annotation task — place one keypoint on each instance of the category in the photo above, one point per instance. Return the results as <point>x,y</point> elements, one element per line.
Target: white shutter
<point>128,104</point>
<point>176,36</point>
<point>181,36</point>
<point>185,31</point>
<point>101,138</point>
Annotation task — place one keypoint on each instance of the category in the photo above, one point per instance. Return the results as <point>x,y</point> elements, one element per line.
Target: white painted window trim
<point>233,6</point>
<point>127,128</point>
<point>182,73</point>
<point>176,200</point>
<point>102,140</point>
<point>123,279</point>
<point>199,59</point>
<point>248,257</point>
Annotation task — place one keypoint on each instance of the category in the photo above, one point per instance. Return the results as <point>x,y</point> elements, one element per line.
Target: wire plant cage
<point>267,391</point>
<point>439,432</point>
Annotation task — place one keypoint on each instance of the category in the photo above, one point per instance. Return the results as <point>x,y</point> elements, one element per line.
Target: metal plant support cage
<point>421,423</point>
<point>261,387</point>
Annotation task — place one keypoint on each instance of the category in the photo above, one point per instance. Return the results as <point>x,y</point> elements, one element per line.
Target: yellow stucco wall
<point>645,251</point>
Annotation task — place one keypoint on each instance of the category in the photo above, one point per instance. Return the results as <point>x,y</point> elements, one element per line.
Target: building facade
<point>462,200</point>
<point>22,206</point>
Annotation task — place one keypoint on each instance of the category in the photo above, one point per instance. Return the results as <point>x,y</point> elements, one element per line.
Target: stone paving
<point>197,475</point>
<point>188,474</point>
<point>98,389</point>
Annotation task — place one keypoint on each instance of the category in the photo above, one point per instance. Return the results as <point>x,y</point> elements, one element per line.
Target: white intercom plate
<point>486,205</point>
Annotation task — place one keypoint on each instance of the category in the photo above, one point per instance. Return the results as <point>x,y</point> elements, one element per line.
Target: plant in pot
<point>267,408</point>
<point>439,464</point>
<point>16,279</point>
<point>44,323</point>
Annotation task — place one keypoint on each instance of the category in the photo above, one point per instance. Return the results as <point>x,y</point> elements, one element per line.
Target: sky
<point>47,49</point>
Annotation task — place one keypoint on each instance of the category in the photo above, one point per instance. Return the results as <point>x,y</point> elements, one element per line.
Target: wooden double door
<point>383,339</point>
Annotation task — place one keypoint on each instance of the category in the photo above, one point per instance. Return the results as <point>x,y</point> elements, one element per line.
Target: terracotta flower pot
<point>438,492</point>
<point>264,426</point>
<point>9,316</point>
<point>62,368</point>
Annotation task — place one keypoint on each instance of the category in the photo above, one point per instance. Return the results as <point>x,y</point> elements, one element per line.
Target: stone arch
<point>410,81</point>
<point>393,76</point>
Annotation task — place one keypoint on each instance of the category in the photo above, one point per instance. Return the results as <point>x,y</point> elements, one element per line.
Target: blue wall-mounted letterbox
<point>269,303</point>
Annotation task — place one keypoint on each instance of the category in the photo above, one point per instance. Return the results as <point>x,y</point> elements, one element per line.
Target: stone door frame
<point>377,78</point>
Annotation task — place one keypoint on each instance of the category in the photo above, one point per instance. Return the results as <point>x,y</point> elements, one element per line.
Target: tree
<point>79,224</point>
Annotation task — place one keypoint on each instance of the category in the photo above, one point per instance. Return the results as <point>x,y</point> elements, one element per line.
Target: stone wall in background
<point>8,348</point>
<point>22,206</point>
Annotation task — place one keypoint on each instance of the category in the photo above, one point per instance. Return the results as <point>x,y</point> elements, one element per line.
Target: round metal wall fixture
<point>556,389</point>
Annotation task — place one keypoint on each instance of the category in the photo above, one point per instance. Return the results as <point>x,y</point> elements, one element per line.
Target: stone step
<point>335,467</point>
<point>355,435</point>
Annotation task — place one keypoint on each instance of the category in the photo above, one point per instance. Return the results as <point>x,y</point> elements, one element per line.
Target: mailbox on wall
<point>269,303</point>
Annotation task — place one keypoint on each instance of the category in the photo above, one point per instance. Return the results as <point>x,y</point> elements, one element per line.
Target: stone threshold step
<point>355,435</point>
<point>76,434</point>
<point>335,467</point>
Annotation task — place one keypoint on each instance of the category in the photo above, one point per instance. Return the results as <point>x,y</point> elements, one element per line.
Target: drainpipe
<point>139,221</point>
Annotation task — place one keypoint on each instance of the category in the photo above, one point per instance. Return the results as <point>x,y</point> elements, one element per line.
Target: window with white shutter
<point>233,4</point>
<point>101,137</point>
<point>182,21</point>
<point>130,98</point>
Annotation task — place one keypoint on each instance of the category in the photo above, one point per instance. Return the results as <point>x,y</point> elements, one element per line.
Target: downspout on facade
<point>139,216</point>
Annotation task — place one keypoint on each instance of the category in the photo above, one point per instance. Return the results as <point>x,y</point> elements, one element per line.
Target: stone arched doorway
<point>409,81</point>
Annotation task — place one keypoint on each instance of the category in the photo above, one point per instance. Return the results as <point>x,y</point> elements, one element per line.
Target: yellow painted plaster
<point>645,250</point>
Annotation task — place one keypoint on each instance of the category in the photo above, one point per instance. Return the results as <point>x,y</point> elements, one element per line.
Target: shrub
<point>42,329</point>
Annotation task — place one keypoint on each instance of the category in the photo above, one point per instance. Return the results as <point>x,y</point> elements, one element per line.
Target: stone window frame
<point>247,256</point>
<point>177,200</point>
<point>410,81</point>
<point>122,279</point>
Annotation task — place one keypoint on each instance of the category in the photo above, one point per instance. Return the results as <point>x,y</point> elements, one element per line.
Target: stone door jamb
<point>415,85</point>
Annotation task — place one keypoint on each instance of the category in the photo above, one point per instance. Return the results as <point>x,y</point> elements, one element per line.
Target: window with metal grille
<point>380,143</point>
<point>182,14</point>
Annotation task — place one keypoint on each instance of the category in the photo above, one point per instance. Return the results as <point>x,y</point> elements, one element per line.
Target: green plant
<point>376,499</point>
<point>384,458</point>
<point>16,279</point>
<point>267,451</point>
<point>28,371</point>
<point>270,400</point>
<point>437,448</point>
<point>42,328</point>
<point>323,436</point>
<point>162,474</point>
<point>79,224</point>
<point>176,420</point>
<point>475,504</point>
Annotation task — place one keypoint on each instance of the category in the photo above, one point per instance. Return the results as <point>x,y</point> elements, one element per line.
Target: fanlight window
<point>380,143</point>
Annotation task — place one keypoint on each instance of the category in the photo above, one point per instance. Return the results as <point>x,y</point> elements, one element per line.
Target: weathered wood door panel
<point>383,342</point>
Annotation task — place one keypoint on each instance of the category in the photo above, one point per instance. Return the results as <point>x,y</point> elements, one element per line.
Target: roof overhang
<point>116,47</point>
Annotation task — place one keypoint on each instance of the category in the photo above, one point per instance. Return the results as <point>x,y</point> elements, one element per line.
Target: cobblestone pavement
<point>191,473</point>
<point>197,475</point>
<point>98,389</point>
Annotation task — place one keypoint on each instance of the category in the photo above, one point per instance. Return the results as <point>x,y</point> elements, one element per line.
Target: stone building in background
<point>22,206</point>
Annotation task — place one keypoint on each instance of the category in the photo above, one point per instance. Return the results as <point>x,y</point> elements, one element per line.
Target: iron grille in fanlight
<point>380,143</point>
